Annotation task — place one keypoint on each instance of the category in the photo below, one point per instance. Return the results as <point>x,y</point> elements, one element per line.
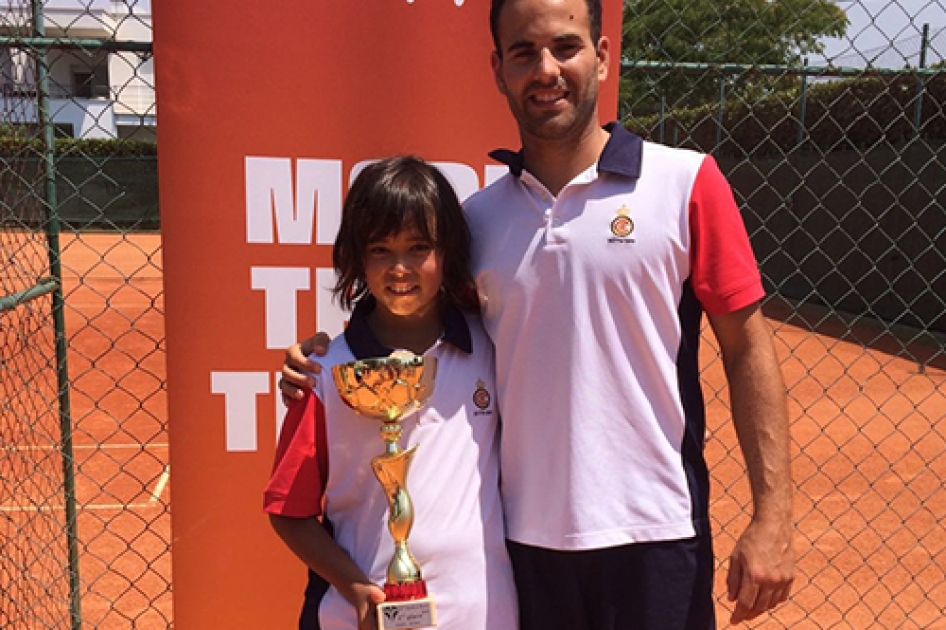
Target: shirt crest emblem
<point>481,397</point>
<point>622,226</point>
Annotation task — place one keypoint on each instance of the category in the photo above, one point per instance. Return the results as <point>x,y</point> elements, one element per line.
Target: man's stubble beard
<point>560,126</point>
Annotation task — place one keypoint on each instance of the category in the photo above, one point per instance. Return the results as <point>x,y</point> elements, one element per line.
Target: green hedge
<point>20,145</point>
<point>839,115</point>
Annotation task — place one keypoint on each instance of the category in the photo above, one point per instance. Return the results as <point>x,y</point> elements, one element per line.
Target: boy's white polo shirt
<point>457,536</point>
<point>594,301</point>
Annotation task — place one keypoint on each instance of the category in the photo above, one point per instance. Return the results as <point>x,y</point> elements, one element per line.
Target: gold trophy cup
<point>389,389</point>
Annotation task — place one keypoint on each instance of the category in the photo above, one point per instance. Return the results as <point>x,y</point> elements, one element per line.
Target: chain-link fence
<point>830,126</point>
<point>84,523</point>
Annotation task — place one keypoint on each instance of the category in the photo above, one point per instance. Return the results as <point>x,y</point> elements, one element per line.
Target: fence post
<point>802,106</point>
<point>722,107</point>
<point>663,113</point>
<point>920,82</point>
<point>58,304</point>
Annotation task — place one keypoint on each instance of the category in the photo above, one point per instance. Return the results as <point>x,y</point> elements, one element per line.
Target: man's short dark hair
<point>594,19</point>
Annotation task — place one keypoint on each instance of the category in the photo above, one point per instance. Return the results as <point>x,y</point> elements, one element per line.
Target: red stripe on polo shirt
<point>301,463</point>
<point>723,267</point>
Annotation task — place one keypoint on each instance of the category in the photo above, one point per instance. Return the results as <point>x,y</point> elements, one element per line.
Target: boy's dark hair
<point>594,20</point>
<point>387,196</point>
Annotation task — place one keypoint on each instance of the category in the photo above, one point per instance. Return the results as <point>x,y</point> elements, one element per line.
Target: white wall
<point>128,96</point>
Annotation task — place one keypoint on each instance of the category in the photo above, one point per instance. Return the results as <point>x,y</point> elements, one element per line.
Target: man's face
<point>548,68</point>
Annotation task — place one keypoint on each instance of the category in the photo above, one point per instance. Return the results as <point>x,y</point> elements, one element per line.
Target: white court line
<point>89,447</point>
<point>153,500</point>
<point>91,507</point>
<point>162,483</point>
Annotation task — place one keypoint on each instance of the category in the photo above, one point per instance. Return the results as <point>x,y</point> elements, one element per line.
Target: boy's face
<point>404,273</point>
<point>548,68</point>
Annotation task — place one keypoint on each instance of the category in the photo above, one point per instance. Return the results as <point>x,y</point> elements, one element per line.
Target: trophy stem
<point>403,577</point>
<point>403,569</point>
<point>391,434</point>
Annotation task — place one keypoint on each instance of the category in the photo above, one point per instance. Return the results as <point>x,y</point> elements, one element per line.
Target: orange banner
<point>265,111</point>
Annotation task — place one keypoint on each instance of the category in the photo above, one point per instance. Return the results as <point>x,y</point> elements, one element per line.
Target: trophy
<point>389,389</point>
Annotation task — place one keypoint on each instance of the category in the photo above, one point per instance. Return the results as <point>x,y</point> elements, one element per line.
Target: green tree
<point>745,32</point>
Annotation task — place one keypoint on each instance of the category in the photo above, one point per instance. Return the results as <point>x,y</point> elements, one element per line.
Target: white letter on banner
<point>357,169</point>
<point>462,177</point>
<point>321,181</point>
<point>280,405</point>
<point>280,286</point>
<point>494,172</point>
<point>329,317</point>
<point>269,191</point>
<point>240,390</point>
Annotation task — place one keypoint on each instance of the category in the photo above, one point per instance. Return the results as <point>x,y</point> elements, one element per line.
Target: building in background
<point>94,93</point>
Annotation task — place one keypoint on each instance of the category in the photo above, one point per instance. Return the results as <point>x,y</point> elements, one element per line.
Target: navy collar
<point>364,345</point>
<point>621,155</point>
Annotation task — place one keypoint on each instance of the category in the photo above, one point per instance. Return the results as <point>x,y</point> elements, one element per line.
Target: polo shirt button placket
<point>553,224</point>
<point>555,233</point>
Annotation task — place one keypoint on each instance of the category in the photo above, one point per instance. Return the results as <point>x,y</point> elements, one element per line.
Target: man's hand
<point>296,367</point>
<point>762,565</point>
<point>761,570</point>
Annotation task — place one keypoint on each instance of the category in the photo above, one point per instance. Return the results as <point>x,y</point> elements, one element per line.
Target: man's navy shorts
<point>642,586</point>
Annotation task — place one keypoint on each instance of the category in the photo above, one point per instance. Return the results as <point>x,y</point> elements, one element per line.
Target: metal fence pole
<point>920,83</point>
<point>802,104</point>
<point>663,115</point>
<point>722,110</point>
<point>58,303</point>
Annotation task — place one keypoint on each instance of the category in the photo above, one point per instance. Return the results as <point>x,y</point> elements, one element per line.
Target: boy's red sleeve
<point>300,470</point>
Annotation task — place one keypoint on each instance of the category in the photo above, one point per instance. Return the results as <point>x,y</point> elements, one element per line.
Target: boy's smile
<point>404,273</point>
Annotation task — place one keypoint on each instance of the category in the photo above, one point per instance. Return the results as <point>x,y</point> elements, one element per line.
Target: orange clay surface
<point>868,416</point>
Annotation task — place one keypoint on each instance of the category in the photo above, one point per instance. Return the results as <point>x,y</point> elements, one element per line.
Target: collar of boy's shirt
<point>364,345</point>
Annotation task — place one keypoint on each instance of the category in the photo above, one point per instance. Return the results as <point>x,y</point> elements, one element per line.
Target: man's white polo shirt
<point>594,302</point>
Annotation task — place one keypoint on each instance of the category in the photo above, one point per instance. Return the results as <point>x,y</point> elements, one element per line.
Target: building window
<point>90,82</point>
<point>82,82</point>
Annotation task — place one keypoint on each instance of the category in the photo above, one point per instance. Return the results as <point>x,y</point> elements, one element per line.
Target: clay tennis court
<point>869,439</point>
<point>114,319</point>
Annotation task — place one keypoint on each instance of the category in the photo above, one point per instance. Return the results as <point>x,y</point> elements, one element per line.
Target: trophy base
<point>415,613</point>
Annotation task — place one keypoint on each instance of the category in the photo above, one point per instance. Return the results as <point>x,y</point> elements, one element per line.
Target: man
<point>595,258</point>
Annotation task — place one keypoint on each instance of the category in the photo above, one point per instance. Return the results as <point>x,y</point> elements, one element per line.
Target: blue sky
<point>887,33</point>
